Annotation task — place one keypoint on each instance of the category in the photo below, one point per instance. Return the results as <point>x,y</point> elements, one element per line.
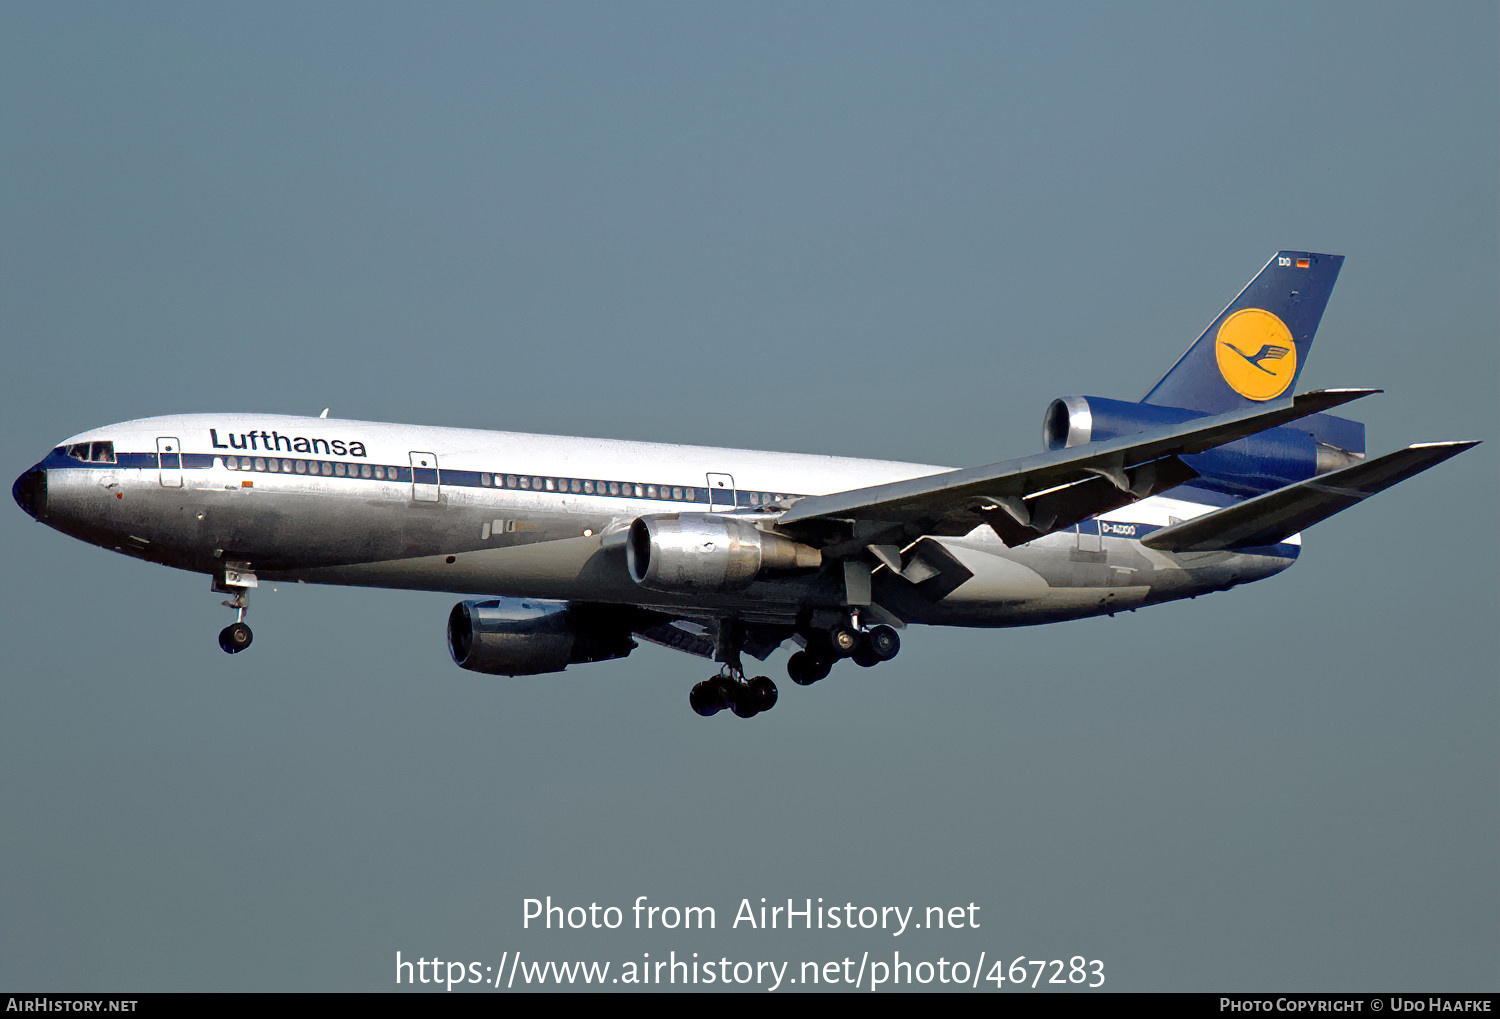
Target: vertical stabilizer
<point>1254,350</point>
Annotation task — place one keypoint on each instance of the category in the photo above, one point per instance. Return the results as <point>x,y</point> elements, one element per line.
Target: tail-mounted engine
<point>1249,466</point>
<point>692,552</point>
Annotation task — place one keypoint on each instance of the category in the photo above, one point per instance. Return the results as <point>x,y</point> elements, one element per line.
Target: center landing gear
<point>235,637</point>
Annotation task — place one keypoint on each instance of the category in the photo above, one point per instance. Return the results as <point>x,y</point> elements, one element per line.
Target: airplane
<point>570,549</point>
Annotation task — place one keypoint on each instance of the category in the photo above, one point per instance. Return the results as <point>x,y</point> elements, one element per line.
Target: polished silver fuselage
<point>500,513</point>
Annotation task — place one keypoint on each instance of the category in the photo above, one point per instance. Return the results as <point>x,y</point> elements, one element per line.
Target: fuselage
<point>512,514</point>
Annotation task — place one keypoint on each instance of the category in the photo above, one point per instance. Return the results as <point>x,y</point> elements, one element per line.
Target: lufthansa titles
<point>273,442</point>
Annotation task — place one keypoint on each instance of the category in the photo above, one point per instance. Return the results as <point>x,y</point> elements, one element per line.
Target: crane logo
<point>1256,354</point>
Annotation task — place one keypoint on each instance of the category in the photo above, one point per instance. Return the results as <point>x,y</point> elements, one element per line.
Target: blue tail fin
<point>1254,350</point>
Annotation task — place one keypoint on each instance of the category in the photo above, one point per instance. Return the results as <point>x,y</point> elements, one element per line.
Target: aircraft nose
<point>30,492</point>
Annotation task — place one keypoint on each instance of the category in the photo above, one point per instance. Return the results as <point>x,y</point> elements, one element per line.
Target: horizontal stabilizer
<point>953,502</point>
<point>1275,516</point>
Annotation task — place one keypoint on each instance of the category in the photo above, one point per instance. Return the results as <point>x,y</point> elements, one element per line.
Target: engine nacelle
<point>530,636</point>
<point>1249,466</point>
<point>687,552</point>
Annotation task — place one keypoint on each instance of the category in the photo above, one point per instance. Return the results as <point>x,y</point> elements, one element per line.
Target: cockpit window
<point>93,452</point>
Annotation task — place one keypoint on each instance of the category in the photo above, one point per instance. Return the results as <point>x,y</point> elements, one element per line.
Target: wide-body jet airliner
<point>572,549</point>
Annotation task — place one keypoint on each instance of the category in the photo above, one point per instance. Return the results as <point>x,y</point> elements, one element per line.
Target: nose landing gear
<point>235,637</point>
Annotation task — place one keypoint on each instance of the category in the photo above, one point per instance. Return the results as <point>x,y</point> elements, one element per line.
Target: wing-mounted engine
<point>529,636</point>
<point>703,552</point>
<point>1260,463</point>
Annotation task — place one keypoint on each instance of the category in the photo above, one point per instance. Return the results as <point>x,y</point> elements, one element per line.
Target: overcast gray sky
<point>870,229</point>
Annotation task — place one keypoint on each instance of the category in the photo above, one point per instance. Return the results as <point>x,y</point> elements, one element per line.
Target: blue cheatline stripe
<point>636,491</point>
<point>1136,531</point>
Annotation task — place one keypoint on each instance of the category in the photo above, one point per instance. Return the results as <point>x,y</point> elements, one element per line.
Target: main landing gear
<point>235,637</point>
<point>880,643</point>
<point>749,697</point>
<point>730,689</point>
<point>745,697</point>
<point>807,667</point>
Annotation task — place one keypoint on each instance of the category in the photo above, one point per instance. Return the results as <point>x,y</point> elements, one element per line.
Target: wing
<point>1277,515</point>
<point>1028,497</point>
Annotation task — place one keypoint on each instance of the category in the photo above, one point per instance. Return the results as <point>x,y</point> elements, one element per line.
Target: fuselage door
<point>720,493</point>
<point>169,461</point>
<point>1089,538</point>
<point>425,480</point>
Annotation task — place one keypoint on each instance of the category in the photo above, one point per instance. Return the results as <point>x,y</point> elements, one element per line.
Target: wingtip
<point>1457,445</point>
<point>1334,397</point>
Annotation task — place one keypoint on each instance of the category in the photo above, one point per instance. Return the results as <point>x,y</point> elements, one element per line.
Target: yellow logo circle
<point>1257,356</point>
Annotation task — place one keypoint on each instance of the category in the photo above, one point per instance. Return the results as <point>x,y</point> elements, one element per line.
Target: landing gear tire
<point>864,655</point>
<point>743,705</point>
<point>762,693</point>
<point>235,638</point>
<point>805,668</point>
<point>707,697</point>
<point>844,639</point>
<point>884,642</point>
